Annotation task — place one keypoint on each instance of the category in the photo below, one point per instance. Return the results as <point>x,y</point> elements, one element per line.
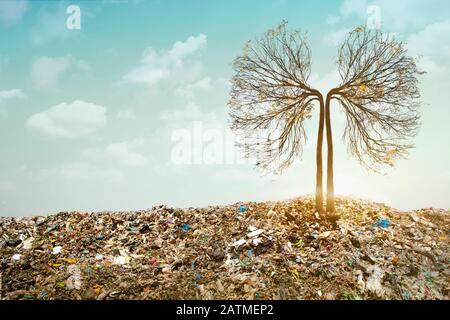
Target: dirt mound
<point>272,250</point>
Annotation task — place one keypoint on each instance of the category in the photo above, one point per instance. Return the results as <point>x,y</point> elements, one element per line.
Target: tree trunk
<point>319,167</point>
<point>330,177</point>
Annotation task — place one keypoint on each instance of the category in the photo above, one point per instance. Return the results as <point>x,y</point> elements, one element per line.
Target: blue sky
<point>95,118</point>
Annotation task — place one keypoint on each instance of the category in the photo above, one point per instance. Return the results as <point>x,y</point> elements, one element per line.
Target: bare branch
<point>270,97</point>
<point>380,96</point>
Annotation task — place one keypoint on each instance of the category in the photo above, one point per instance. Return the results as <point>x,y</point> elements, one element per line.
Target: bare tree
<point>380,98</point>
<point>270,99</point>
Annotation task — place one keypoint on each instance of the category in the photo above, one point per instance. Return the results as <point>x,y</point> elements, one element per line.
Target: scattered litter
<point>242,209</point>
<point>71,260</point>
<point>406,295</point>
<point>245,262</point>
<point>56,250</point>
<point>373,283</point>
<point>325,234</point>
<point>255,233</point>
<point>360,281</point>
<point>74,281</point>
<point>100,237</point>
<point>382,223</point>
<point>121,260</point>
<point>51,228</point>
<point>28,243</point>
<point>98,288</point>
<point>239,243</point>
<point>256,241</point>
<point>276,250</point>
<point>16,256</point>
<point>185,227</point>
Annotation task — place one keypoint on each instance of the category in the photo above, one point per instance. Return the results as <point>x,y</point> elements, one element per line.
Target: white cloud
<point>120,153</point>
<point>350,7</point>
<point>181,50</point>
<point>126,115</point>
<point>124,155</point>
<point>332,20</point>
<point>46,71</point>
<point>191,112</point>
<point>51,24</point>
<point>432,41</point>
<point>83,65</point>
<point>148,74</point>
<point>12,10</point>
<point>103,164</point>
<point>397,15</point>
<point>156,66</point>
<point>187,91</point>
<point>69,120</point>
<point>335,37</point>
<point>325,82</point>
<point>402,15</point>
<point>204,83</point>
<point>432,51</point>
<point>6,95</point>
<point>86,171</point>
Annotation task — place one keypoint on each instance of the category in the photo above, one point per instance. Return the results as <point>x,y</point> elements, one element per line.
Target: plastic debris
<point>276,250</point>
<point>74,281</point>
<point>98,288</point>
<point>255,233</point>
<point>28,243</point>
<point>239,243</point>
<point>243,208</point>
<point>51,228</point>
<point>71,260</point>
<point>121,260</point>
<point>406,295</point>
<point>382,223</point>
<point>360,282</point>
<point>16,257</point>
<point>56,250</point>
<point>185,227</point>
<point>373,283</point>
<point>245,262</point>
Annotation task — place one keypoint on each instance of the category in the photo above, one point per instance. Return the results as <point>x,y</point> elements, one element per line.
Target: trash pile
<point>272,250</point>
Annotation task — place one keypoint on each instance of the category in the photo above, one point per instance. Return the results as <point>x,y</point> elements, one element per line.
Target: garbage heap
<point>271,250</point>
